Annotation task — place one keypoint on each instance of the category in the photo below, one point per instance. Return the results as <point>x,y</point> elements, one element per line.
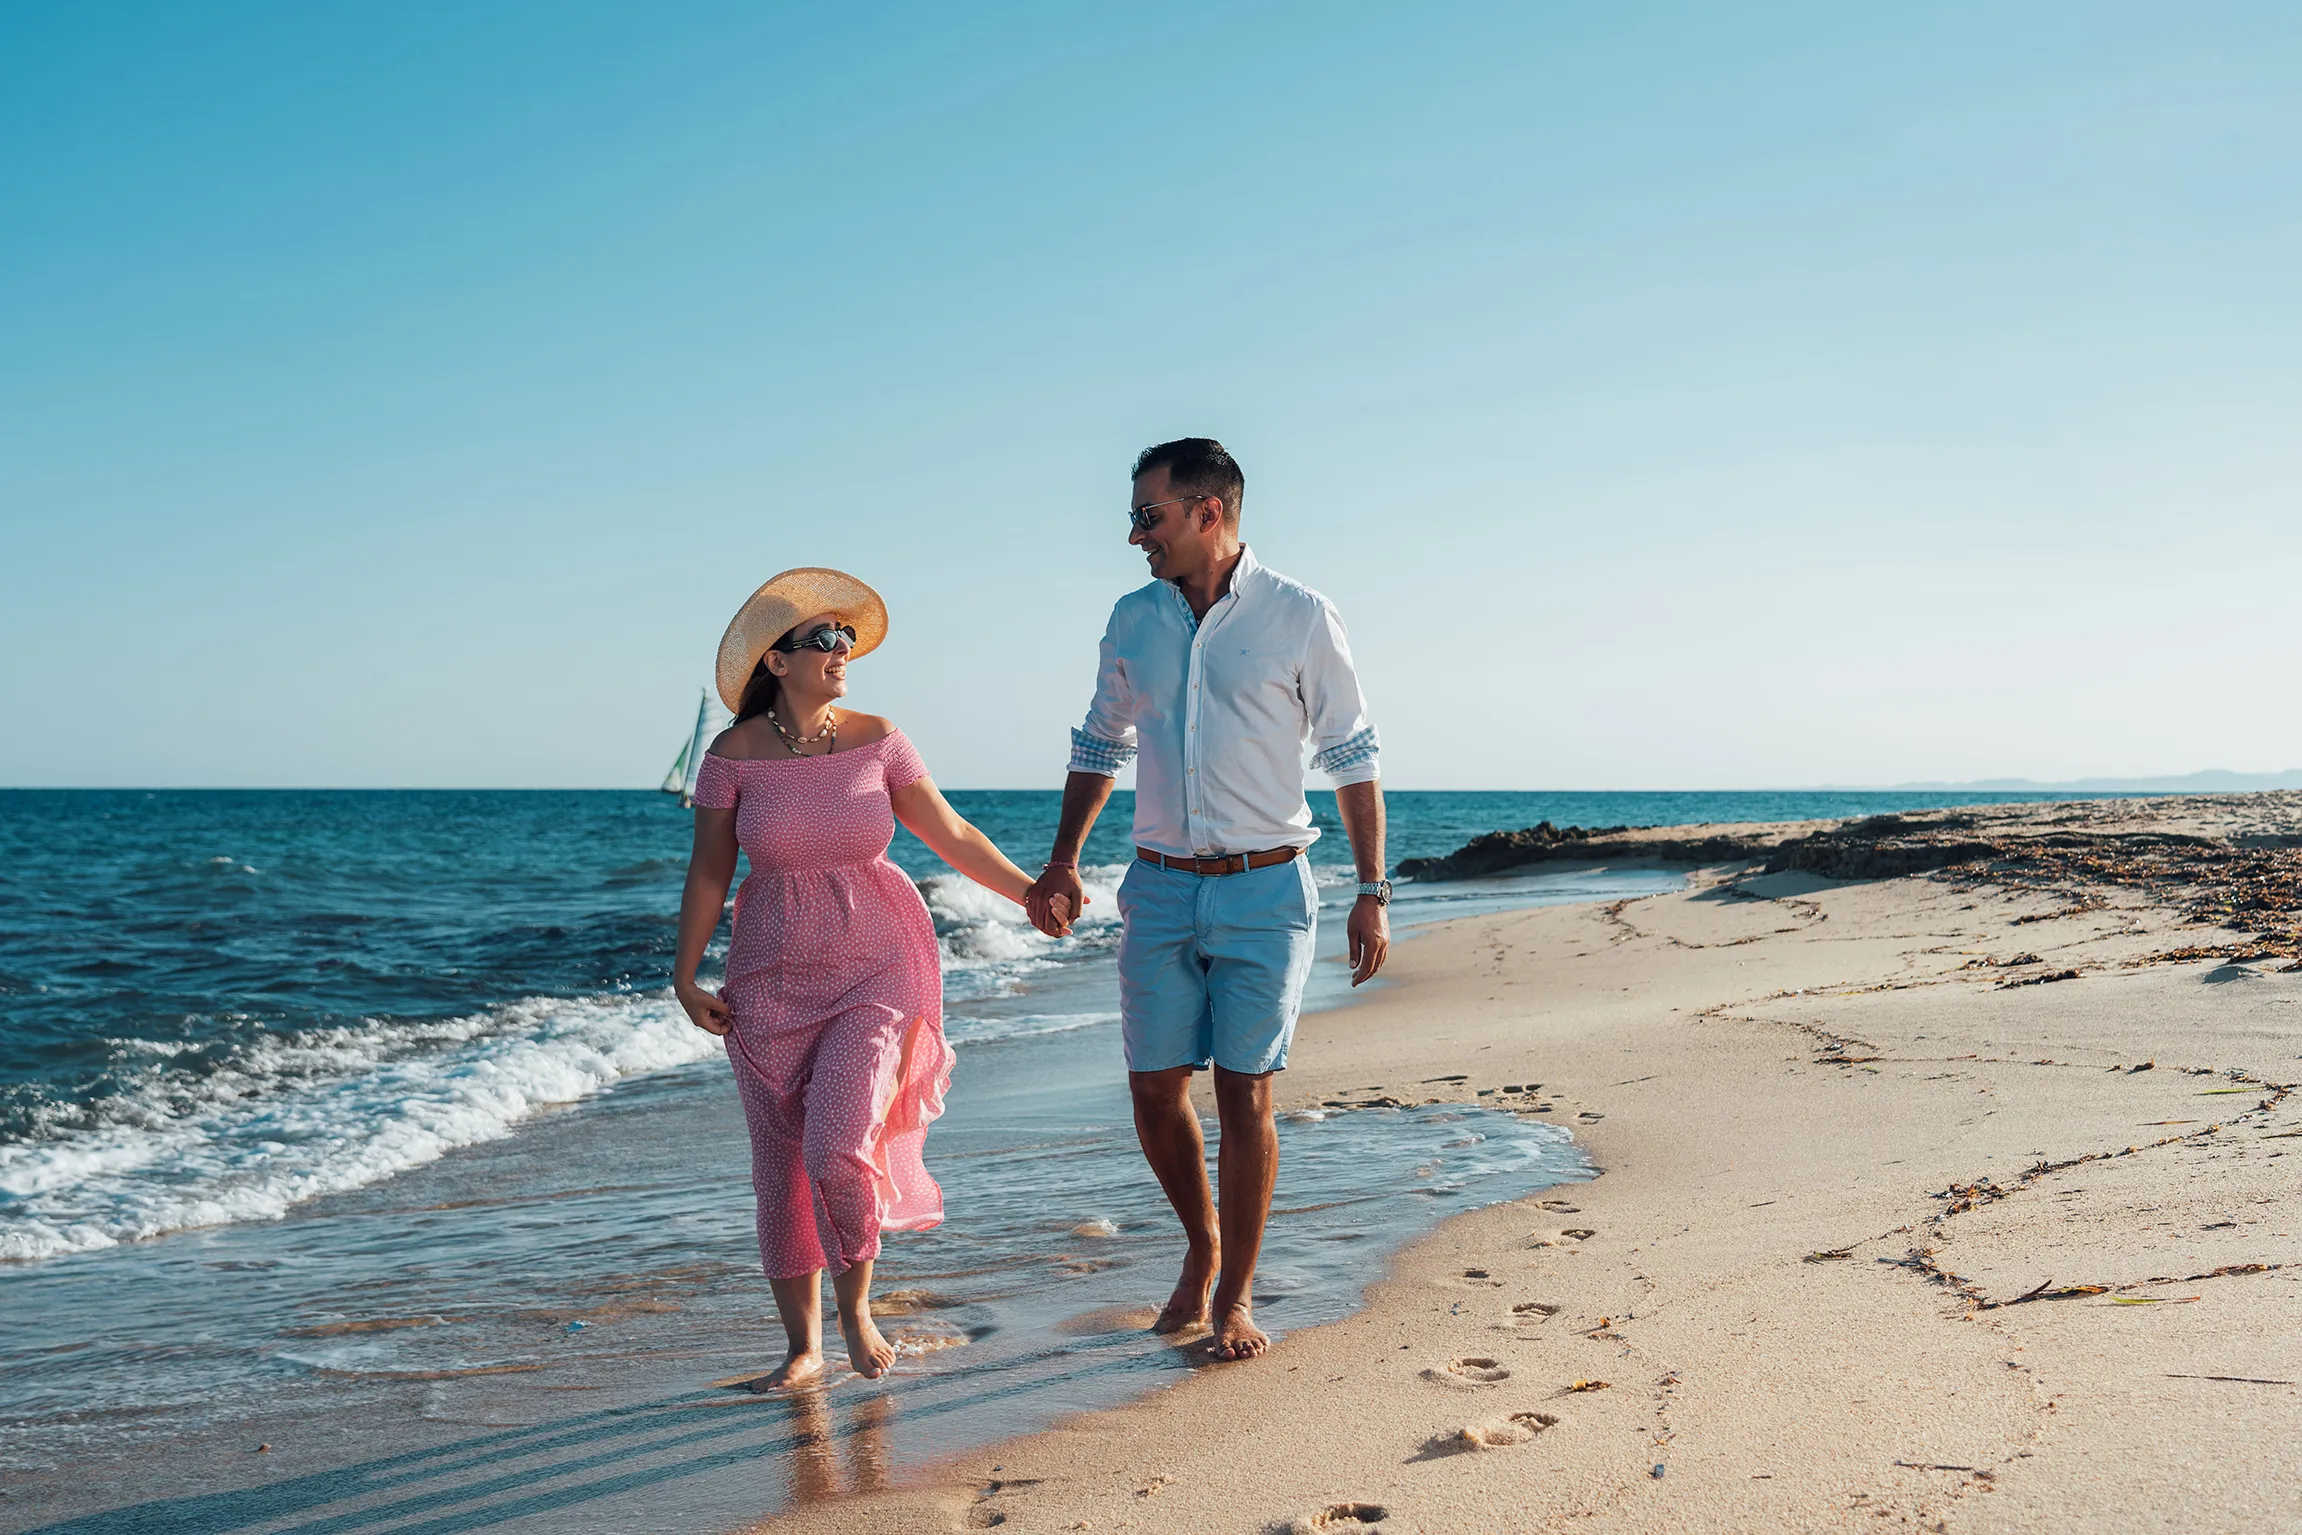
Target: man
<point>1214,677</point>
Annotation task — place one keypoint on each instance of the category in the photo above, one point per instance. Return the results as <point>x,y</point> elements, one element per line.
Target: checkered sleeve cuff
<point>1093,754</point>
<point>1355,759</point>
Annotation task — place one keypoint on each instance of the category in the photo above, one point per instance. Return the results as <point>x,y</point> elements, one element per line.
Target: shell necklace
<point>792,743</point>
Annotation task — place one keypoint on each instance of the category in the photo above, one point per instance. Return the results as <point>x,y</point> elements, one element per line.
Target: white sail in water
<point>684,768</point>
<point>675,781</point>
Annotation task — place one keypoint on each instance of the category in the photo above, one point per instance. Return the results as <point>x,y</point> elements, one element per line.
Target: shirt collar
<point>1246,567</point>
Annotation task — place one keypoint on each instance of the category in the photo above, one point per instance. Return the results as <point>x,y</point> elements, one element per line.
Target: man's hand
<point>1370,930</point>
<point>1361,806</point>
<point>1053,899</point>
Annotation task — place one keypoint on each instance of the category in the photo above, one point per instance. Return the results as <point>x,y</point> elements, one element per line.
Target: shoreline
<point>1944,1201</point>
<point>496,1395</point>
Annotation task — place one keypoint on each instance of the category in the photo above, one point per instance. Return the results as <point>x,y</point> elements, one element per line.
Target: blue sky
<point>1670,396</point>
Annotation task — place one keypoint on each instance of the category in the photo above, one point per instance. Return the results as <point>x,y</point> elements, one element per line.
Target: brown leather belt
<point>1229,863</point>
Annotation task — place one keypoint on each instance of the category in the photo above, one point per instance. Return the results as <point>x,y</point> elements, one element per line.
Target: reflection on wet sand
<point>819,1450</point>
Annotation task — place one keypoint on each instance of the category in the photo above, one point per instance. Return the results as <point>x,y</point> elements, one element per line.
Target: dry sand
<point>1883,1237</point>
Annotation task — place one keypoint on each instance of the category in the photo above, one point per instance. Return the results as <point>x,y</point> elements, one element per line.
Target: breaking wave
<point>320,1111</point>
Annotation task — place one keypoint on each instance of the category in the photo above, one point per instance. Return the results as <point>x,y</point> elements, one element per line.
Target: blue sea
<point>371,1111</point>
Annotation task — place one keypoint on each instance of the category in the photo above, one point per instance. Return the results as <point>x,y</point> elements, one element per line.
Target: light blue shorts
<point>1211,967</point>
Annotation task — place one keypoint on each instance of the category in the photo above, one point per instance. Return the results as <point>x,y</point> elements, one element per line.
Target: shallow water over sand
<point>532,1331</point>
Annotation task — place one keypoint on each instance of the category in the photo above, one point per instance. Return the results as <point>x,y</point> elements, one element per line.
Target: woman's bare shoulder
<point>744,740</point>
<point>862,729</point>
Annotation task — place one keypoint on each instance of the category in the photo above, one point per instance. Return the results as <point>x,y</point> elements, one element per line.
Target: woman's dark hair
<point>759,694</point>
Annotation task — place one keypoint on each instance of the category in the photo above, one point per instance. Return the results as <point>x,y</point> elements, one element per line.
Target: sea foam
<point>323,1111</point>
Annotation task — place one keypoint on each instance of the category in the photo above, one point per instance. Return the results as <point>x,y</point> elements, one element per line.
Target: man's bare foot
<point>868,1353</point>
<point>1187,1307</point>
<point>1237,1336</point>
<point>802,1367</point>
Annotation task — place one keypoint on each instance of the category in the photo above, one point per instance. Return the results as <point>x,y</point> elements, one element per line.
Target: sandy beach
<point>1939,1200</point>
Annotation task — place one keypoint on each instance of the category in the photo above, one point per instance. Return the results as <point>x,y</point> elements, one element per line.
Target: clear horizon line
<point>2106,784</point>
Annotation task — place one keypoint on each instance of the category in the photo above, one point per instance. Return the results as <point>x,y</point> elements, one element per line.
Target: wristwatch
<point>1380,889</point>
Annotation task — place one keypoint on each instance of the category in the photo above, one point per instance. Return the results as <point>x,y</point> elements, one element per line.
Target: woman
<point>832,1004</point>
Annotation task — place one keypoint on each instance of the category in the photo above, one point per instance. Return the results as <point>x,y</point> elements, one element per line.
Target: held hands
<point>1054,899</point>
<point>705,1010</point>
<point>1370,932</point>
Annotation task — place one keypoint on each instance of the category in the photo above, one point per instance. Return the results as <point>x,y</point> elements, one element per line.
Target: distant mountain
<point>2212,781</point>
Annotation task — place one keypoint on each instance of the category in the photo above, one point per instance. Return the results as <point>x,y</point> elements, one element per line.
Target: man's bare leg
<point>800,1303</point>
<point>1248,1166</point>
<point>868,1353</point>
<point>1168,1128</point>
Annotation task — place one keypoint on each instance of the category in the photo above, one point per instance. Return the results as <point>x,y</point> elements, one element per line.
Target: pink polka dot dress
<point>836,994</point>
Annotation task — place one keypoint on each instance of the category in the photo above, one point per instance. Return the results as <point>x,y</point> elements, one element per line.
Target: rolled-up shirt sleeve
<point>1106,742</point>
<point>1344,745</point>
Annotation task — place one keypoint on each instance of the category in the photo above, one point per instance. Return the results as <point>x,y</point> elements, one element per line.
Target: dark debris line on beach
<point>2250,884</point>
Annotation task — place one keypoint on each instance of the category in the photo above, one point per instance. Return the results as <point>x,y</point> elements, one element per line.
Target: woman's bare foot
<point>1236,1335</point>
<point>1187,1307</point>
<point>803,1366</point>
<point>868,1353</point>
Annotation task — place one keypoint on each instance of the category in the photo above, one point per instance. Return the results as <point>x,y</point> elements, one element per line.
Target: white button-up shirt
<point>1217,712</point>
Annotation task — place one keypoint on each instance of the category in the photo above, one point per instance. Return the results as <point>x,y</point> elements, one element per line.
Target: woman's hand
<point>704,1009</point>
<point>701,900</point>
<point>1054,898</point>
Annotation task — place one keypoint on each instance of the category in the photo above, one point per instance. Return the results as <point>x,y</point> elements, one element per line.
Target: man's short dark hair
<point>1197,466</point>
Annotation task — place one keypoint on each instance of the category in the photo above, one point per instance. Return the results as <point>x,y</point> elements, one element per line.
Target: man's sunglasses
<point>831,639</point>
<point>1146,518</point>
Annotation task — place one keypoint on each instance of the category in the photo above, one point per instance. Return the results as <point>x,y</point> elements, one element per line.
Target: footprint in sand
<point>1493,1434</point>
<point>1479,1277</point>
<point>1340,1517</point>
<point>1468,1370</point>
<point>982,1517</point>
<point>1566,1238</point>
<point>1531,1311</point>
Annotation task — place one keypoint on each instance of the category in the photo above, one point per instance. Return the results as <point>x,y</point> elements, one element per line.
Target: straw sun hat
<point>768,614</point>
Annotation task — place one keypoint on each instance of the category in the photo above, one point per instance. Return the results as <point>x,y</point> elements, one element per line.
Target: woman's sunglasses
<point>831,639</point>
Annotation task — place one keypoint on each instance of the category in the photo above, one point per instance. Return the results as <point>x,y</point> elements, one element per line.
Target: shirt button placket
<point>1191,804</point>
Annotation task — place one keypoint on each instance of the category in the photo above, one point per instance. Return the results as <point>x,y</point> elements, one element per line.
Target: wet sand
<point>1945,1201</point>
